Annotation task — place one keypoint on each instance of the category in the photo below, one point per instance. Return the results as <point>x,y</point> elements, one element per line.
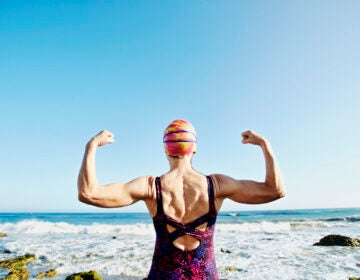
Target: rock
<point>51,273</point>
<point>90,255</point>
<point>40,275</point>
<point>43,258</point>
<point>18,262</point>
<point>5,251</point>
<point>18,274</point>
<point>3,234</point>
<point>225,251</point>
<point>90,275</point>
<point>338,240</point>
<point>48,274</point>
<point>231,268</point>
<point>17,267</point>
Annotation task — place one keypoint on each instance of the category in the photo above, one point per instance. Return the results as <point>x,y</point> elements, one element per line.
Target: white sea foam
<point>254,227</point>
<point>41,227</point>
<point>268,250</point>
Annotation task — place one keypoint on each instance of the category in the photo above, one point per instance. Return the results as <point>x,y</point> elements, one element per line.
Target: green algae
<point>90,275</point>
<point>48,274</point>
<point>17,267</point>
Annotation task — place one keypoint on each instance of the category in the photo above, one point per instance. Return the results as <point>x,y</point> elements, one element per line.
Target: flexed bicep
<point>244,191</point>
<point>121,194</point>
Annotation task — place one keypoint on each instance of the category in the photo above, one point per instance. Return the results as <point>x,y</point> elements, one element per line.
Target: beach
<point>248,244</point>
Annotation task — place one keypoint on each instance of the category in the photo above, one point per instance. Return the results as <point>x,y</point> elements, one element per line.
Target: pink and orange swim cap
<point>180,138</point>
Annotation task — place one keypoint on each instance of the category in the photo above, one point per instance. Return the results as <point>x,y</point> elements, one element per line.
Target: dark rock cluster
<point>338,240</point>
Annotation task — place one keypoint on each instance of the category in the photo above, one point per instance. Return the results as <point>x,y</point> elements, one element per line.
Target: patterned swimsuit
<point>170,262</point>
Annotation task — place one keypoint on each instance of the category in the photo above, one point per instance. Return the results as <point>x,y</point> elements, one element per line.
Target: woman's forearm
<point>87,180</point>
<point>273,177</point>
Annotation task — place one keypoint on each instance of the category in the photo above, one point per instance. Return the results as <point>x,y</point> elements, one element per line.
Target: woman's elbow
<point>93,200</point>
<point>82,197</point>
<point>276,192</point>
<point>87,197</point>
<point>280,192</point>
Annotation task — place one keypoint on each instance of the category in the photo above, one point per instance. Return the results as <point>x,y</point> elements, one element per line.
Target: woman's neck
<point>181,164</point>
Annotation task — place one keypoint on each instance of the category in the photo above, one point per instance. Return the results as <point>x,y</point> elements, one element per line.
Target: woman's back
<point>184,224</point>
<point>185,195</point>
<point>185,198</point>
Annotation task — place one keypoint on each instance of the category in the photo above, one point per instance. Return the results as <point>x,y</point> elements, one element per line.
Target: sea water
<point>248,245</point>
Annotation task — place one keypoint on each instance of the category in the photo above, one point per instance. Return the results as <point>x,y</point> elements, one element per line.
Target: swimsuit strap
<point>160,209</point>
<point>198,234</point>
<point>212,207</point>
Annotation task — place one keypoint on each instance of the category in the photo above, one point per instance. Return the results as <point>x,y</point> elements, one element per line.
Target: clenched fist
<point>102,138</point>
<point>251,137</point>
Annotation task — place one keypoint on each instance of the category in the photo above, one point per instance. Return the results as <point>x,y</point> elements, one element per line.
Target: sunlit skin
<point>185,193</point>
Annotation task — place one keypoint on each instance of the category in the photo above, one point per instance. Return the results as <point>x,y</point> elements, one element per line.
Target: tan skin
<point>184,190</point>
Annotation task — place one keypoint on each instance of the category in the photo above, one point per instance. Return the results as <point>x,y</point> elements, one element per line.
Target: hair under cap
<point>180,138</point>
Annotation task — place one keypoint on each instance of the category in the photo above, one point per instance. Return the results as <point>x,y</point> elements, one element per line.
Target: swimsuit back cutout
<point>170,262</point>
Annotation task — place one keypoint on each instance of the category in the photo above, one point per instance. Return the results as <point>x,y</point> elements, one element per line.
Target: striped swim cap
<point>180,138</point>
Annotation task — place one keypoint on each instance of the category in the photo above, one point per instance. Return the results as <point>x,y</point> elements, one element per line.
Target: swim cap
<point>180,138</point>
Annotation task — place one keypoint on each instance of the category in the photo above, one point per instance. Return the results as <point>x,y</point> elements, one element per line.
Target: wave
<point>350,219</point>
<point>232,214</point>
<point>254,227</point>
<point>34,226</point>
<point>274,226</point>
<point>42,227</point>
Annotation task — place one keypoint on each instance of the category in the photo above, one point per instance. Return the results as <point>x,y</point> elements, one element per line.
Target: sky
<point>289,70</point>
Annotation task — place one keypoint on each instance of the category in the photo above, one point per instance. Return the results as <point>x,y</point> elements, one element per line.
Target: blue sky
<point>289,70</point>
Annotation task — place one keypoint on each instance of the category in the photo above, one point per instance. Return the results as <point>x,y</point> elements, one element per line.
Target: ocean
<point>248,244</point>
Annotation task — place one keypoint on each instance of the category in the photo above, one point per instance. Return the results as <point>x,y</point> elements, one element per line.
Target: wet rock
<point>18,262</point>
<point>40,275</point>
<point>90,275</point>
<point>43,259</point>
<point>51,273</point>
<point>17,267</point>
<point>3,234</point>
<point>18,274</point>
<point>338,240</point>
<point>231,268</point>
<point>91,255</point>
<point>225,251</point>
<point>48,274</point>
<point>5,251</point>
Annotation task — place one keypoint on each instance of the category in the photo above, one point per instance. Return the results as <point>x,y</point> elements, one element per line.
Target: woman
<point>182,202</point>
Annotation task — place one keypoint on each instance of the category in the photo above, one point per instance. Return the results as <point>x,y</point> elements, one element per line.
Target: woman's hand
<point>102,138</point>
<point>251,137</point>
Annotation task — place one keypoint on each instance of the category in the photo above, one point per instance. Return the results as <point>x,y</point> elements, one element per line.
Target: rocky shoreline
<point>18,270</point>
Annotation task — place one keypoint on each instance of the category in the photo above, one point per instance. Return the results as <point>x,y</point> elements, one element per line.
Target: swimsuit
<point>172,263</point>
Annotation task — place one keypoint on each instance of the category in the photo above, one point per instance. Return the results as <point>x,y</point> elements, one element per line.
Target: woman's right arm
<point>110,195</point>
